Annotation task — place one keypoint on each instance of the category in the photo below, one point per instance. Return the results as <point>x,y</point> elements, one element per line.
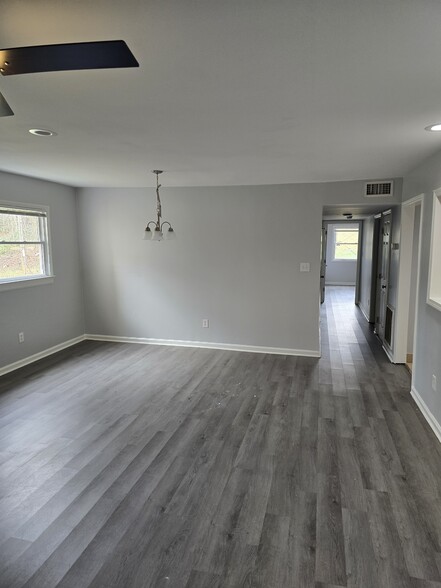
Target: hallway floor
<point>126,466</point>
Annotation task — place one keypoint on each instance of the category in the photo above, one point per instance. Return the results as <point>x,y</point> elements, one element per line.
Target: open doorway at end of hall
<point>340,263</point>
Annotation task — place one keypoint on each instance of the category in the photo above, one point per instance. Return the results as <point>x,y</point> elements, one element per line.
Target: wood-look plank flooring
<point>129,466</point>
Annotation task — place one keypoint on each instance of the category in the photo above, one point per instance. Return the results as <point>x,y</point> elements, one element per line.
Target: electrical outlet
<point>434,382</point>
<point>305,266</point>
<point>205,323</point>
<point>21,337</point>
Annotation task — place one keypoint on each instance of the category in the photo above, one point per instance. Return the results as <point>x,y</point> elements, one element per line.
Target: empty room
<point>220,294</point>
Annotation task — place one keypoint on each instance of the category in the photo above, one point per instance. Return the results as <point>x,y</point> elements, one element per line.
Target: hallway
<point>138,466</point>
<point>386,459</point>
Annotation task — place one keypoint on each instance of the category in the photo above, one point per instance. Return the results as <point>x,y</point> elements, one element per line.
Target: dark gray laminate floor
<point>141,466</point>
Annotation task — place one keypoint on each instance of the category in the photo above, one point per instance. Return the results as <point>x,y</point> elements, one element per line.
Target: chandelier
<point>158,233</point>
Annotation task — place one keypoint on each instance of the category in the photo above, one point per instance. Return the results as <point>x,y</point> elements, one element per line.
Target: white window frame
<point>342,227</point>
<point>48,276</point>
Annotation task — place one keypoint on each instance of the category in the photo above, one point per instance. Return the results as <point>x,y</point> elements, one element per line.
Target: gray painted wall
<point>339,272</point>
<point>52,313</point>
<point>427,360</point>
<point>235,262</point>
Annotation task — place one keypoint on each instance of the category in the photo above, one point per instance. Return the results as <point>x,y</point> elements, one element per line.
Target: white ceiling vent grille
<point>373,189</point>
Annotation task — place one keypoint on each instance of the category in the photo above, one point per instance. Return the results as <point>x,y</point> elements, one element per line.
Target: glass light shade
<point>157,235</point>
<point>435,127</point>
<point>147,234</point>
<point>170,234</point>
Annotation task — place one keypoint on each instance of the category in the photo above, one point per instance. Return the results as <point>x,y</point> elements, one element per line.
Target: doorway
<point>340,247</point>
<point>377,262</point>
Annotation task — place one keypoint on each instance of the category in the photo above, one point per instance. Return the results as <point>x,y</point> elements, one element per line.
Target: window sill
<point>25,283</point>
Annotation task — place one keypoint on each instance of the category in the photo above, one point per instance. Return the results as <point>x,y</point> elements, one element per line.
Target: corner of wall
<point>79,250</point>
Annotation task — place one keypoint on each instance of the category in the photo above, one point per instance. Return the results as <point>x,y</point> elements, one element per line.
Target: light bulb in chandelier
<point>157,235</point>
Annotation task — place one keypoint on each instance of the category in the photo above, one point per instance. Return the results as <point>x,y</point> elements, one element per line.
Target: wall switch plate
<point>205,323</point>
<point>21,337</point>
<point>434,382</point>
<point>305,267</point>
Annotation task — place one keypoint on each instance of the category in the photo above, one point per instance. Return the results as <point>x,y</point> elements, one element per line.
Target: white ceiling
<point>227,92</point>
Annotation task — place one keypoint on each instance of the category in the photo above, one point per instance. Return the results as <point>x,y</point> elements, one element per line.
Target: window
<point>24,244</point>
<point>345,243</point>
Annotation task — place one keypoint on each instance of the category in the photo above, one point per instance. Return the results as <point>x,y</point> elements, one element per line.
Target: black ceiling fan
<point>63,57</point>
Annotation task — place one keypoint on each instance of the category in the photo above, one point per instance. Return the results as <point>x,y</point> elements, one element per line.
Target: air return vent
<point>373,189</point>
<point>388,326</point>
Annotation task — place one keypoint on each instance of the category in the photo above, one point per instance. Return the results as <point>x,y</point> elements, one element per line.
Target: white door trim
<point>404,276</point>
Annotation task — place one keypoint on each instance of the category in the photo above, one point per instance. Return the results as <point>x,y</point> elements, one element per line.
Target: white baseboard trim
<point>144,341</point>
<point>206,345</point>
<point>363,312</point>
<point>388,352</point>
<point>434,424</point>
<point>40,355</point>
<point>339,284</point>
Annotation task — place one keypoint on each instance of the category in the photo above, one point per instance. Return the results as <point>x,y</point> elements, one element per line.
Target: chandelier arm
<point>165,223</point>
<point>151,223</point>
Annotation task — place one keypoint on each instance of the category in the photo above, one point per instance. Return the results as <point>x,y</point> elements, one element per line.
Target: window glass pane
<point>346,236</point>
<point>18,261</point>
<point>346,251</point>
<point>346,244</point>
<point>18,227</point>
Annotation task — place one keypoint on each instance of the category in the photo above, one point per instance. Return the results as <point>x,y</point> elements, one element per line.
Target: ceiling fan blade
<point>66,56</point>
<point>5,109</point>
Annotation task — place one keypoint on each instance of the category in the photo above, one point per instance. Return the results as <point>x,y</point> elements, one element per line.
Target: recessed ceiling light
<point>435,127</point>
<point>42,132</point>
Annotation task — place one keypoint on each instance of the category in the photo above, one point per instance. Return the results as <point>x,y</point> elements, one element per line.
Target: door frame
<point>359,223</point>
<point>405,276</point>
